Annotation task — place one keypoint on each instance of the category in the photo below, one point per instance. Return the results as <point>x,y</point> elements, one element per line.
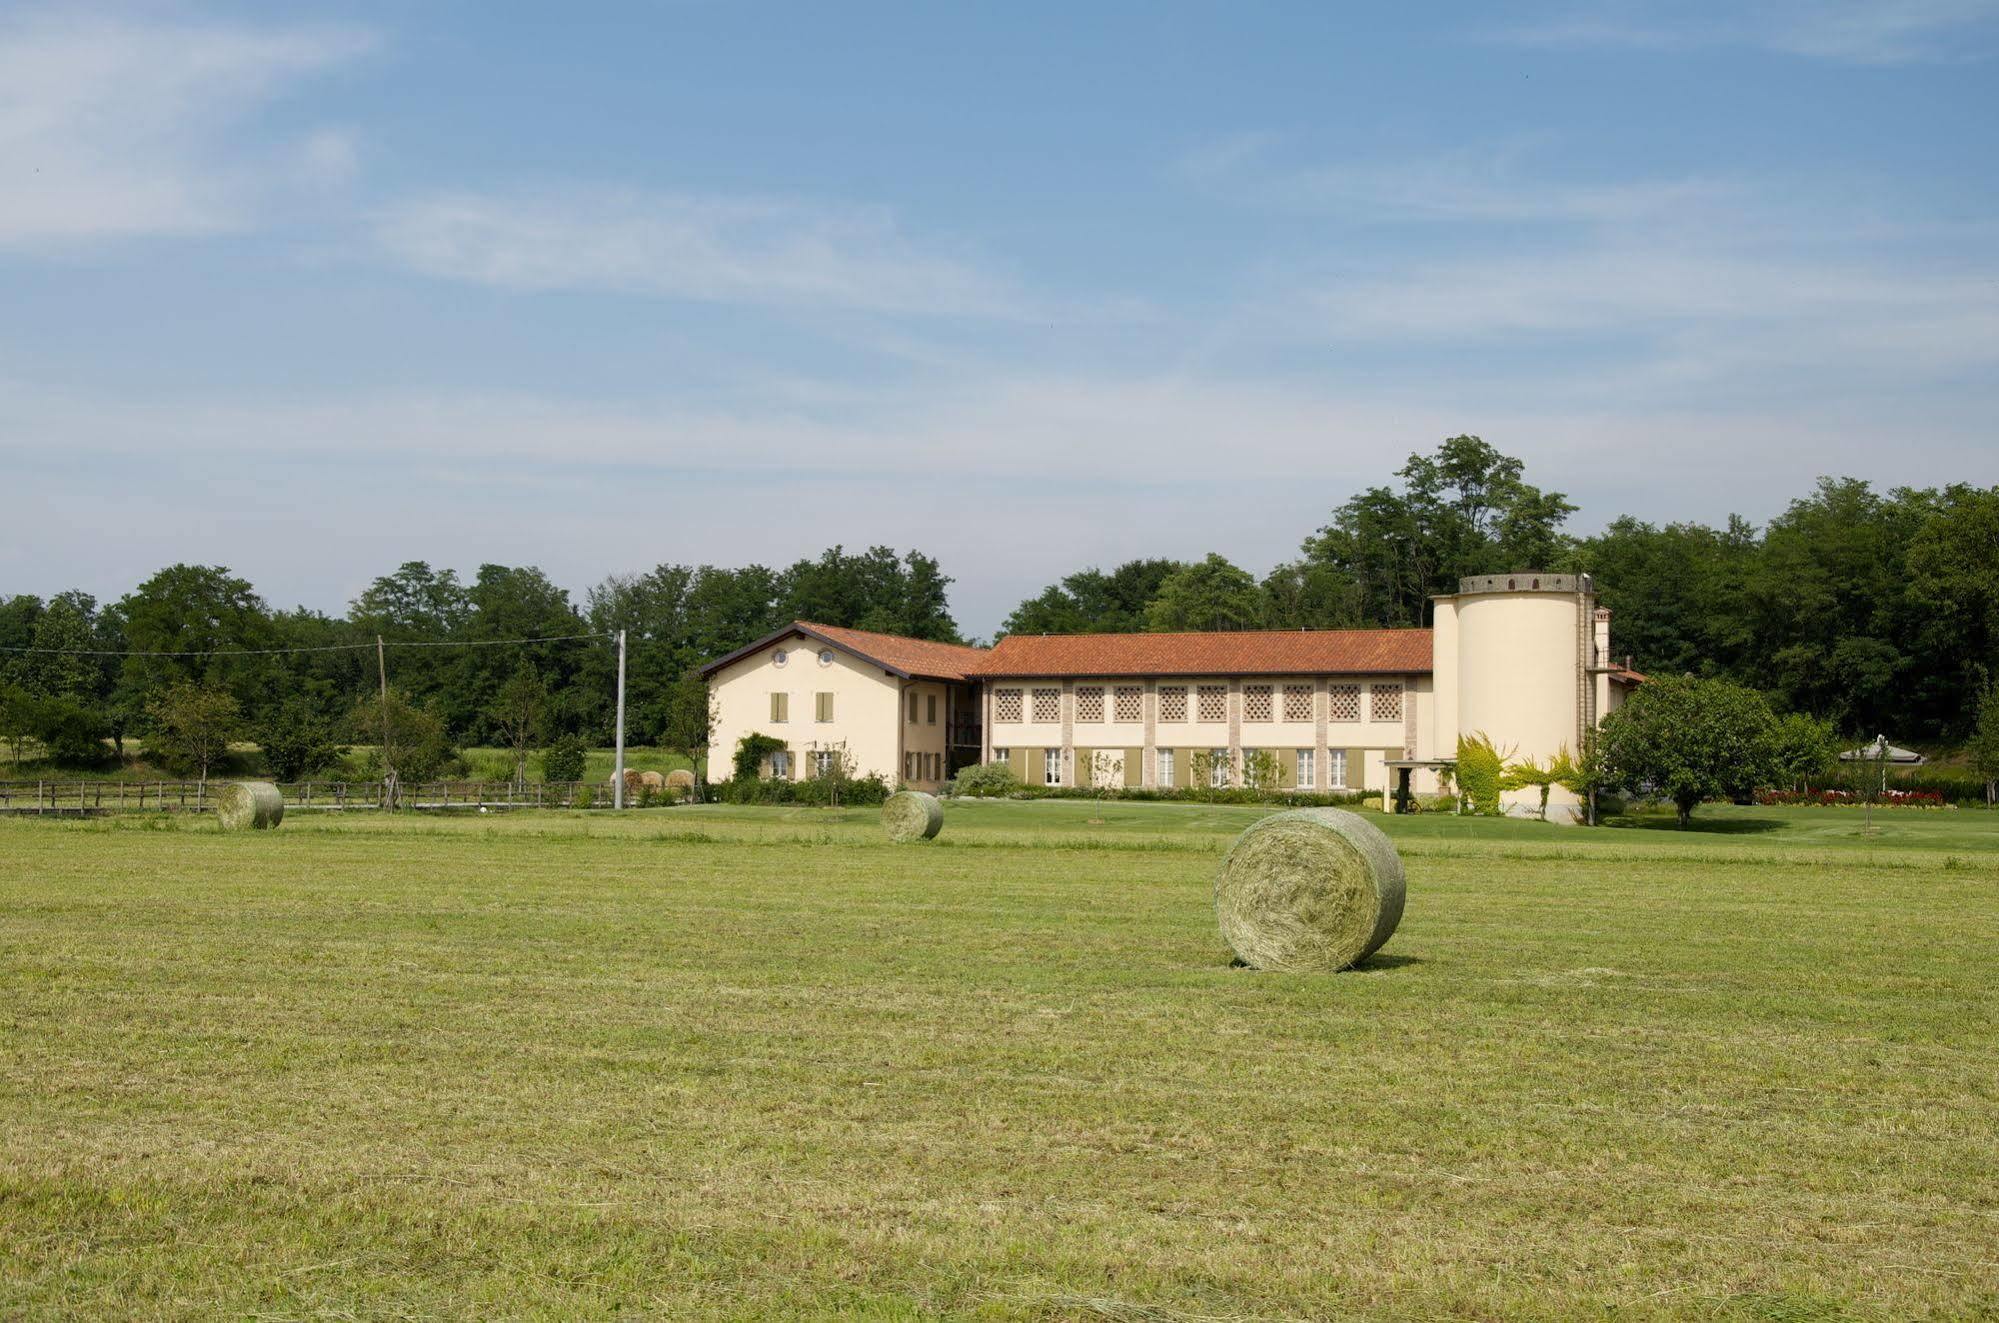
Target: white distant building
<point>1523,658</point>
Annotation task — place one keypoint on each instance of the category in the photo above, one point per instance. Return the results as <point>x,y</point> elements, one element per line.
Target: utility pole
<point>388,772</point>
<point>618,773</point>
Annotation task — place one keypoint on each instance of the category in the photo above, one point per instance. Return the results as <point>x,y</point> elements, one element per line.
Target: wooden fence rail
<point>96,797</point>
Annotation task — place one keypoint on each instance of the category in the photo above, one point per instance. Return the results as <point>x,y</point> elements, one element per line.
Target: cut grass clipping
<point>911,815</point>
<point>249,805</point>
<point>1311,889</point>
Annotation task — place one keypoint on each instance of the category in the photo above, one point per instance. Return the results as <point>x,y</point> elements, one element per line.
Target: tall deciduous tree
<point>191,726</point>
<point>1983,750</point>
<point>1463,509</point>
<point>1210,594</point>
<point>1691,740</point>
<point>520,713</point>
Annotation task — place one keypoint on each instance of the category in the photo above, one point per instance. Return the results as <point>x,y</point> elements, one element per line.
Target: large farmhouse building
<point>1521,658</point>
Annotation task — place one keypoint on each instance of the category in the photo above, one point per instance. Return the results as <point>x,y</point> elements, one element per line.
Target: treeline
<point>1877,611</point>
<point>74,673</point>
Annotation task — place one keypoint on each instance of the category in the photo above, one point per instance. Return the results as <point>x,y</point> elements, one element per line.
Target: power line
<point>320,647</point>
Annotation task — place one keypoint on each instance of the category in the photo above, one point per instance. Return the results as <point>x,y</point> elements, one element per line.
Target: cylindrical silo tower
<point>1523,652</point>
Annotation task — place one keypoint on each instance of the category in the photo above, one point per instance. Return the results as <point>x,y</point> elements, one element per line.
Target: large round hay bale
<point>1309,889</point>
<point>249,805</point>
<point>680,779</point>
<point>651,780</point>
<point>911,815</point>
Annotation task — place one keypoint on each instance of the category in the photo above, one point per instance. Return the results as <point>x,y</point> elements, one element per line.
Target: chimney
<point>1601,620</point>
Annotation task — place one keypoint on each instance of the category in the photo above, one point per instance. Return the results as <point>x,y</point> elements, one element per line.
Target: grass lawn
<point>744,1063</point>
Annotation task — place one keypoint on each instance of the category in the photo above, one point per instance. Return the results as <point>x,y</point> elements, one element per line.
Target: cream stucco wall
<point>1516,677</point>
<point>867,710</point>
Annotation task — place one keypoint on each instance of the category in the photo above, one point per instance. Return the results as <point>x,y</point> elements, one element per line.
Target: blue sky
<point>313,290</point>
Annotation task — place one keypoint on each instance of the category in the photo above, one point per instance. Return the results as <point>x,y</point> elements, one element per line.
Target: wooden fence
<point>91,798</point>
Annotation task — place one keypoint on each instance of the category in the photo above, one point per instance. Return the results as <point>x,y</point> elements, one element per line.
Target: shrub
<point>1481,772</point>
<point>752,752</point>
<point>817,792</point>
<point>985,781</point>
<point>72,734</point>
<point>563,760</point>
<point>298,740</point>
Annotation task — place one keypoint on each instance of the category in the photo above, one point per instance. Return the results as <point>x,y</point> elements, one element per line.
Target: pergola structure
<point>1400,768</point>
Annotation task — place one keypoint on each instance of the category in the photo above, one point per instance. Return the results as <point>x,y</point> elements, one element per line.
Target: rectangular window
<point>1048,705</point>
<point>930,709</point>
<point>1128,702</point>
<point>1003,757</point>
<point>1214,702</point>
<point>822,762</point>
<point>1218,768</point>
<point>780,764</point>
<point>1386,702</point>
<point>1173,702</point>
<point>780,708</point>
<point>936,767</point>
<point>909,767</point>
<point>1251,762</point>
<point>1256,702</point>
<point>1052,763</point>
<point>1165,775</point>
<point>1006,705</point>
<point>1336,769</point>
<point>1343,702</point>
<point>1297,702</point>
<point>825,707</point>
<point>1306,769</point>
<point>1090,703</point>
<point>912,709</point>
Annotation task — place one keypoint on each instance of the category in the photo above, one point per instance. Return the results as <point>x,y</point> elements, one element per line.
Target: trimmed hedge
<point>859,791</point>
<point>1192,795</point>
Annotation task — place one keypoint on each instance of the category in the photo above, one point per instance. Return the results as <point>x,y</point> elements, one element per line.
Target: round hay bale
<point>911,815</point>
<point>680,779</point>
<point>1309,889</point>
<point>249,805</point>
<point>652,780</point>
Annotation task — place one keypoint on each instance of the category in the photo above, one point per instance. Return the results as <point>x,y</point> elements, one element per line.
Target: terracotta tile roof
<point>1248,652</point>
<point>932,661</point>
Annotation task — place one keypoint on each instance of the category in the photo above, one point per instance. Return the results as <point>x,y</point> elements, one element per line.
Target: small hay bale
<point>680,779</point>
<point>651,780</point>
<point>249,806</point>
<point>911,815</point>
<point>1309,889</point>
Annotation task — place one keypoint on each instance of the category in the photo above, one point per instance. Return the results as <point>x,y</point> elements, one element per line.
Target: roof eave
<point>799,627</point>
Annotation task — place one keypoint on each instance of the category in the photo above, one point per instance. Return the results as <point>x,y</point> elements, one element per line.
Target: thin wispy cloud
<point>115,128</point>
<point>1477,184</point>
<point>756,251</point>
<point>1883,32</point>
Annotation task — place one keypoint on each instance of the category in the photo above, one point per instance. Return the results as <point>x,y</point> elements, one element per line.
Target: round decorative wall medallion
<point>826,657</point>
<point>780,657</point>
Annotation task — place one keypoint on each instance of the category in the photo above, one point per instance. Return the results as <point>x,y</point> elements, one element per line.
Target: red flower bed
<point>1928,799</point>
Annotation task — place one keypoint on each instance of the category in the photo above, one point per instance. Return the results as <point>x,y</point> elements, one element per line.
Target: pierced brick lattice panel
<point>1128,703</point>
<point>1006,705</point>
<point>1343,702</point>
<point>1214,702</point>
<point>1297,702</point>
<point>1173,702</point>
<point>1090,703</point>
<point>1256,702</point>
<point>1386,702</point>
<point>1048,705</point>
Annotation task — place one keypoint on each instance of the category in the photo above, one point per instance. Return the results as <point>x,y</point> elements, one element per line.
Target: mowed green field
<point>706,1062</point>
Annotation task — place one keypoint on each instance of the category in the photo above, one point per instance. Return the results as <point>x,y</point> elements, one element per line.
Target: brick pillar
<point>1408,716</point>
<point>1069,733</point>
<point>1148,758</point>
<point>1322,768</point>
<point>1235,732</point>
